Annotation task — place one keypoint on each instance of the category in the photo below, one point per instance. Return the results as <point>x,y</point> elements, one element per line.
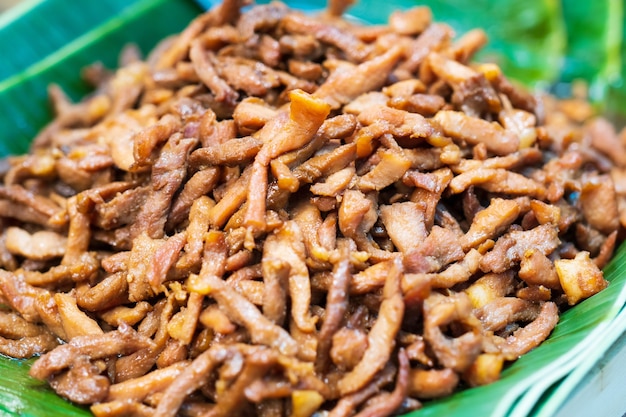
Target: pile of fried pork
<point>277,213</point>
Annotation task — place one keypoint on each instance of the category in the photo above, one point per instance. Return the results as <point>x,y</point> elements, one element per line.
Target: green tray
<point>542,43</point>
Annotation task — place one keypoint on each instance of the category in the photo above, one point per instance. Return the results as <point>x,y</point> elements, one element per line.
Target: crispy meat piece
<point>432,383</point>
<point>579,277</point>
<point>232,152</point>
<point>598,202</point>
<point>82,383</point>
<point>456,353</point>
<point>455,273</point>
<point>388,403</point>
<point>203,65</point>
<point>460,126</point>
<point>191,378</point>
<point>348,82</point>
<point>75,322</point>
<point>121,210</point>
<point>118,342</point>
<point>438,249</point>
<point>504,310</point>
<point>391,167</point>
<point>242,311</point>
<point>405,225</point>
<point>28,346</point>
<point>289,243</point>
<point>336,308</point>
<point>528,337</point>
<point>412,21</point>
<point>510,248</point>
<point>497,180</point>
<point>139,388</point>
<point>168,174</point>
<point>200,184</point>
<point>110,292</point>
<point>537,269</point>
<point>41,245</point>
<point>19,295</point>
<point>381,336</point>
<point>431,39</point>
<point>490,222</point>
<point>331,34</point>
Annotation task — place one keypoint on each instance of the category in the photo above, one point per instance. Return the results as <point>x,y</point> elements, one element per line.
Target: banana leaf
<point>24,107</point>
<point>538,42</point>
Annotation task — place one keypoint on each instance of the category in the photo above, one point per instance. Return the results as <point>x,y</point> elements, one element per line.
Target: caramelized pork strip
<point>432,38</point>
<point>121,408</point>
<point>28,346</point>
<point>129,315</point>
<point>84,269</point>
<point>110,292</point>
<point>456,273</point>
<point>41,245</point>
<point>405,224</point>
<point>20,296</point>
<point>168,173</point>
<point>490,222</point>
<point>432,383</point>
<point>336,308</point>
<point>82,383</point>
<point>79,233</point>
<point>257,363</point>
<point>330,34</point>
<point>146,142</point>
<point>165,257</point>
<point>191,378</point>
<point>282,134</point>
<point>391,167</point>
<point>200,184</point>
<point>243,312</point>
<point>232,152</point>
<point>388,403</point>
<point>381,336</point>
<point>288,242</point>
<point>537,269</point>
<point>122,341</point>
<point>180,46</point>
<point>75,322</point>
<point>233,198</point>
<point>199,221</point>
<point>456,353</point>
<point>598,202</point>
<point>276,280</point>
<point>347,83</point>
<point>504,310</point>
<point>347,405</point>
<point>460,126</point>
<point>140,388</point>
<point>531,335</point>
<point>510,248</point>
<point>497,181</point>
<point>438,249</point>
<point>13,326</point>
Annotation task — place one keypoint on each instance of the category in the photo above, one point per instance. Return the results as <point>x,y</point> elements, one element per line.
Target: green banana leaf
<point>541,43</point>
<point>24,107</point>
